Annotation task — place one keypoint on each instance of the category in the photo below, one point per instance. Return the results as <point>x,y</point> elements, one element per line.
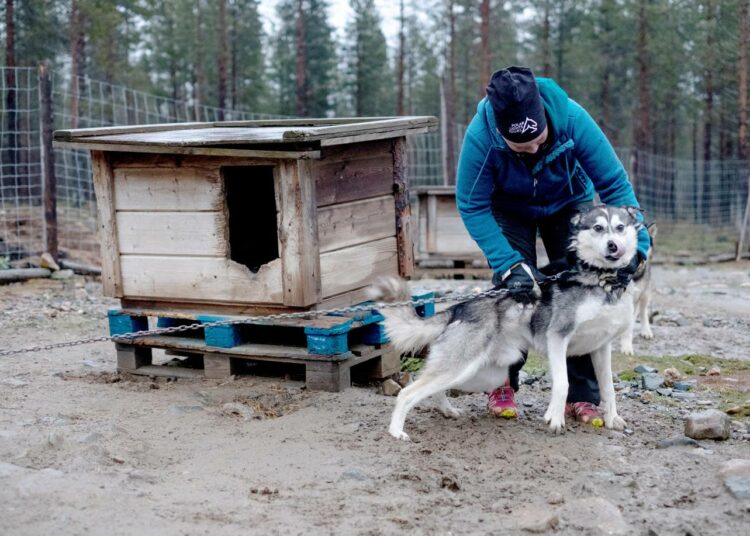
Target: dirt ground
<point>86,451</point>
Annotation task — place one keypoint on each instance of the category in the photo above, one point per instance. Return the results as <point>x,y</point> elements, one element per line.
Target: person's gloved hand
<point>626,273</point>
<point>520,280</point>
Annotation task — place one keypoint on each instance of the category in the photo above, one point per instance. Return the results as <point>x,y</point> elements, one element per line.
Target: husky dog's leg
<point>643,304</point>
<point>443,405</point>
<point>556,354</point>
<point>602,361</point>
<point>626,339</point>
<point>425,386</point>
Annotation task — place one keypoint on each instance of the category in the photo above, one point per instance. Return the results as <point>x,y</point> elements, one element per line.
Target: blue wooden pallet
<point>326,335</point>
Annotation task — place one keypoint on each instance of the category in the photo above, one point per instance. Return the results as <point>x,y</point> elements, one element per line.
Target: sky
<point>339,13</point>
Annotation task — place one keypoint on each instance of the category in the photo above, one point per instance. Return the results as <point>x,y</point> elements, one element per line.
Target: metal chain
<point>255,319</point>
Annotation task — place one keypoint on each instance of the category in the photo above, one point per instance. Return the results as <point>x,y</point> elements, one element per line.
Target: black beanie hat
<point>514,97</point>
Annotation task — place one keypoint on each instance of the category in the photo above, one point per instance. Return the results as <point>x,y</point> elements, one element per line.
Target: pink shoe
<point>584,412</point>
<point>501,402</point>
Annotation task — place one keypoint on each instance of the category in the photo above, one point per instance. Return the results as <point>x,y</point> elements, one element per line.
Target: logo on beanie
<point>528,125</point>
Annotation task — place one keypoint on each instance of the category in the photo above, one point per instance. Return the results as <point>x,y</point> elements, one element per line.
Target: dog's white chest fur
<point>599,323</point>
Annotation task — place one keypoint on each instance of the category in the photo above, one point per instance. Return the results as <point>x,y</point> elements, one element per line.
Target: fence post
<point>49,181</point>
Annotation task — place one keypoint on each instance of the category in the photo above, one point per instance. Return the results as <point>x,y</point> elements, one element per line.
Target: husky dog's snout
<point>615,249</point>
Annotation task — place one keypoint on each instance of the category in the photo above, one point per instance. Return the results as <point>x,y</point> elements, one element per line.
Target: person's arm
<point>600,162</point>
<point>474,185</point>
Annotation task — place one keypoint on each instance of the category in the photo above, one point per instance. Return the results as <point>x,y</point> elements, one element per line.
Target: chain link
<point>124,337</point>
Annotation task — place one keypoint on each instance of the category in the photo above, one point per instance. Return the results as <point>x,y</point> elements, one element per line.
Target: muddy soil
<point>85,450</point>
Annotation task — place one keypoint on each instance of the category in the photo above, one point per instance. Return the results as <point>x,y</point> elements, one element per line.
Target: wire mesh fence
<point>699,206</point>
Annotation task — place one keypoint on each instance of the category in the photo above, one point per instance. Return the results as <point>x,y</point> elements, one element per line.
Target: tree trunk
<point>200,77</point>
<point>77,44</point>
<point>450,99</point>
<point>546,49</point>
<point>10,157</point>
<point>401,52</point>
<point>642,130</point>
<point>301,83</point>
<point>221,90</point>
<point>485,62</point>
<point>709,112</point>
<point>605,90</point>
<point>742,137</point>
<point>562,8</point>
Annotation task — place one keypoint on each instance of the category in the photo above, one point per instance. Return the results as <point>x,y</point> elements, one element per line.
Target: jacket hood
<point>555,103</point>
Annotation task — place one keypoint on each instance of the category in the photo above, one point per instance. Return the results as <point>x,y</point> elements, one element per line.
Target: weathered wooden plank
<point>431,224</point>
<point>217,366</point>
<point>355,222</point>
<point>104,187</point>
<point>172,233</point>
<point>209,150</point>
<point>375,135</point>
<point>200,279</point>
<point>358,266</point>
<point>130,358</point>
<point>403,210</point>
<point>175,189</point>
<point>199,162</point>
<point>349,180</point>
<point>298,233</point>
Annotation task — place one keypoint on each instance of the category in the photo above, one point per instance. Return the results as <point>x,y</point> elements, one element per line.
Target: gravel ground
<point>85,450</point>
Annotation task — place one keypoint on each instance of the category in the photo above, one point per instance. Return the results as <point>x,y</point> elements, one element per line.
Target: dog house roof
<point>291,136</point>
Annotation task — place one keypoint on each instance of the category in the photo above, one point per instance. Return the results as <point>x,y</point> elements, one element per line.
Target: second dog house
<point>251,217</point>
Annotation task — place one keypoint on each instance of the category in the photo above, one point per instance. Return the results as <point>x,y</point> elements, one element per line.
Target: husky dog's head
<point>606,237</point>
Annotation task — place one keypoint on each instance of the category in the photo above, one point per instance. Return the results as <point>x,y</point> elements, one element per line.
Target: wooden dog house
<point>250,217</point>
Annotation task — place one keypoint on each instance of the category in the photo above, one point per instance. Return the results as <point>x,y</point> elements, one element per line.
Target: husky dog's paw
<point>614,422</point>
<point>626,347</point>
<point>400,434</point>
<point>451,412</point>
<point>556,423</point>
<point>646,333</point>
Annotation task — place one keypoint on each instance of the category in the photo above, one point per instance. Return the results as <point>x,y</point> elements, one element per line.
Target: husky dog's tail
<point>407,331</point>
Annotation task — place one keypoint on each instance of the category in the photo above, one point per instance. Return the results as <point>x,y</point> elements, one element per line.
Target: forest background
<point>664,76</point>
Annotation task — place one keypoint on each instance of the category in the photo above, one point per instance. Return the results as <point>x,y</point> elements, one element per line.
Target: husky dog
<point>641,289</point>
<point>473,343</point>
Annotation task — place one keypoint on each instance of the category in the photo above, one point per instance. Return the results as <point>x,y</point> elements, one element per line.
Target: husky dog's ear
<point>576,219</point>
<point>652,230</point>
<point>634,211</point>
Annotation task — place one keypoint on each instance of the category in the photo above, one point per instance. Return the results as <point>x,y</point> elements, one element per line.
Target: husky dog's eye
<point>598,228</point>
<point>620,228</point>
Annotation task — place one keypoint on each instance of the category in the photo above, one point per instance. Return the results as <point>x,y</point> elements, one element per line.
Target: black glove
<point>626,273</point>
<point>519,282</point>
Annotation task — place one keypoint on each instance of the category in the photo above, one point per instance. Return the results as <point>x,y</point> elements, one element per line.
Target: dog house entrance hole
<point>251,203</point>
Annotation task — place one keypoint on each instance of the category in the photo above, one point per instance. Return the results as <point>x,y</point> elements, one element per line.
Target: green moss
<point>411,364</point>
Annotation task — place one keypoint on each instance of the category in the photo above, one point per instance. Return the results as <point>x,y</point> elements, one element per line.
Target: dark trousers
<point>555,231</point>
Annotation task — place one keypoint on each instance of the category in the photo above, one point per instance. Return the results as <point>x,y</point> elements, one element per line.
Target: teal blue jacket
<point>579,162</point>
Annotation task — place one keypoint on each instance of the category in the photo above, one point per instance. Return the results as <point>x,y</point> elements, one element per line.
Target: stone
<point>736,475</point>
<point>62,274</point>
<point>405,378</point>
<point>677,441</point>
<point>681,395</point>
<point>13,382</point>
<point>647,396</point>
<point>175,410</point>
<point>651,381</point>
<point>704,402</point>
<point>235,408</point>
<point>671,375</point>
<point>714,371</point>
<point>709,424</point>
<point>664,391</point>
<point>555,498</point>
<point>391,388</point>
<point>593,515</point>
<point>684,385</point>
<point>90,438</point>
<point>643,369</point>
<point>46,261</point>
<point>739,410</point>
<point>354,474</point>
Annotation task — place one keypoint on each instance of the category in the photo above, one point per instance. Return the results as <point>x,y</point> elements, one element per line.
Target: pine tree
<point>368,73</point>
